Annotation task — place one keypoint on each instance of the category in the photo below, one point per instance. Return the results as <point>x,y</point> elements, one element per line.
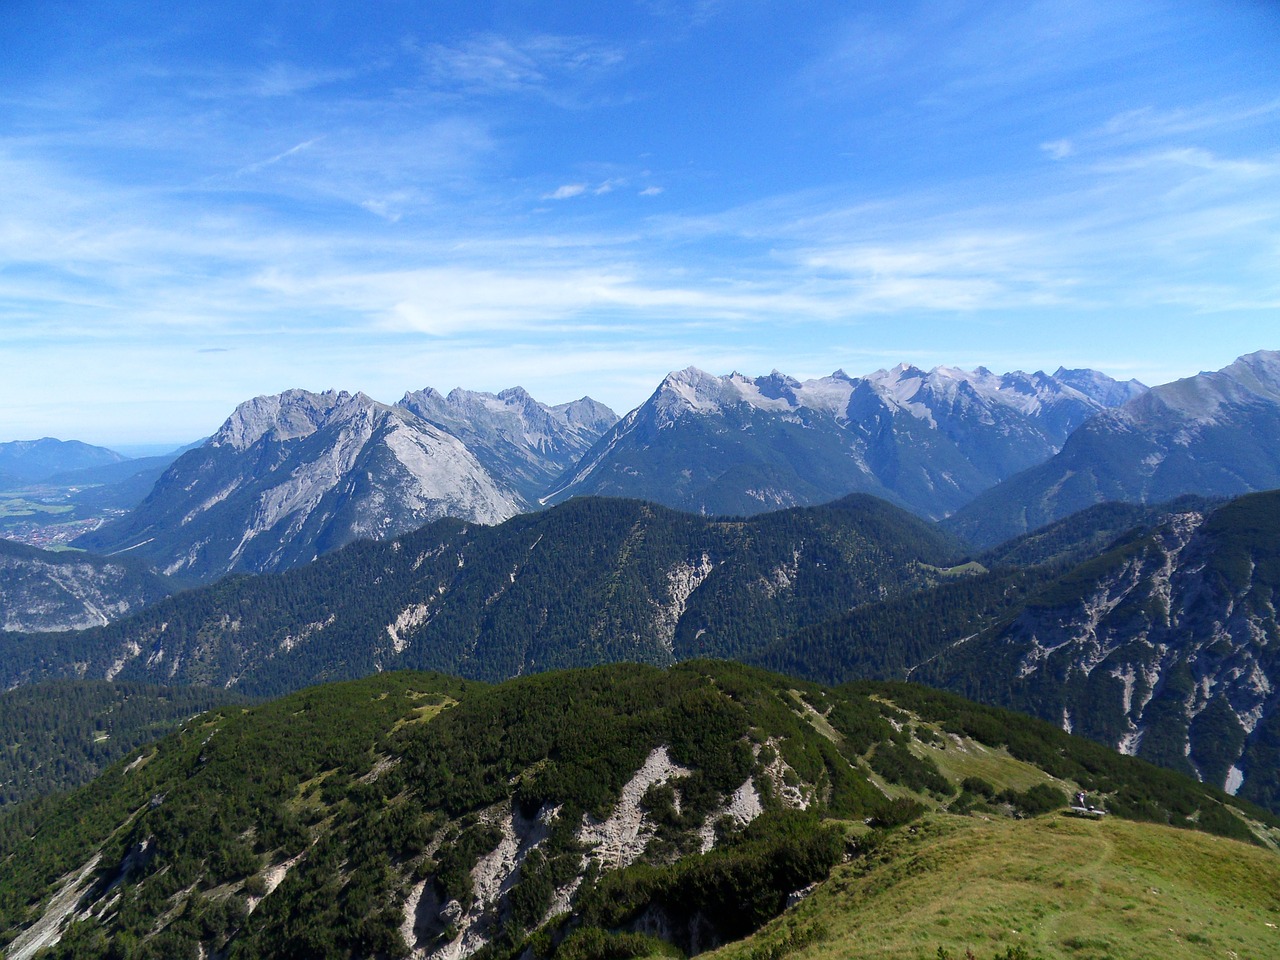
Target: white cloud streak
<point>566,192</point>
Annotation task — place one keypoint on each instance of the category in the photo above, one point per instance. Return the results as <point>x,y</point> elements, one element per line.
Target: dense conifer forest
<point>61,733</point>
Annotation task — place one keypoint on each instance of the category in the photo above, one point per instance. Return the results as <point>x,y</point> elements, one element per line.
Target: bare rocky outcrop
<point>41,591</point>
<point>740,809</point>
<point>47,931</point>
<point>445,930</point>
<point>619,840</point>
<point>682,580</point>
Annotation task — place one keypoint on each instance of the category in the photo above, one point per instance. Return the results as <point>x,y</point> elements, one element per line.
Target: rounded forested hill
<point>580,815</point>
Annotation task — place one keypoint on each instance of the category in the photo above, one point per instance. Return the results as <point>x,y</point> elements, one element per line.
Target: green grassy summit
<point>1054,887</point>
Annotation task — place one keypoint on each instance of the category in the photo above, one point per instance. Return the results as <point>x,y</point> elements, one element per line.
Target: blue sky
<point>200,202</point>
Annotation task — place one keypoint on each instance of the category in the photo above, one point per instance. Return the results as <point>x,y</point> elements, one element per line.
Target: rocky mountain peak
<point>1199,400</point>
<point>690,389</point>
<point>285,416</point>
<point>517,395</point>
<point>778,386</point>
<point>524,443</point>
<point>588,414</point>
<point>1257,372</point>
<point>1100,387</point>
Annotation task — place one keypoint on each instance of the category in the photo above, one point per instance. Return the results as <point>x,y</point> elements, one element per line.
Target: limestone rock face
<point>527,443</point>
<point>42,591</point>
<point>292,476</point>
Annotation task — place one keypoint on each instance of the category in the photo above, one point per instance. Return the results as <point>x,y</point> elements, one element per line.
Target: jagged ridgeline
<point>591,581</point>
<point>583,815</point>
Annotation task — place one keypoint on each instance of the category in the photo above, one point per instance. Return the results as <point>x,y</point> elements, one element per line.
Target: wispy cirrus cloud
<point>1149,123</point>
<point>283,79</point>
<point>1142,131</point>
<point>283,155</point>
<point>1058,149</point>
<point>802,257</point>
<point>339,207</point>
<point>544,65</point>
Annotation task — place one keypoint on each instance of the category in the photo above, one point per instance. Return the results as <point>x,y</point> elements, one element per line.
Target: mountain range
<point>679,804</point>
<point>1217,434</point>
<point>856,588</point>
<point>27,461</point>
<point>927,441</point>
<point>290,477</point>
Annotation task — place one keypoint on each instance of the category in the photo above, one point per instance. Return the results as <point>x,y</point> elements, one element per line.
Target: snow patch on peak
<point>923,395</point>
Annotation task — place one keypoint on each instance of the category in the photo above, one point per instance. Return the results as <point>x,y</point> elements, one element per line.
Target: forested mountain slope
<point>892,638</point>
<point>62,733</point>
<point>616,812</point>
<point>1167,647</point>
<point>591,581</point>
<point>1164,644</point>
